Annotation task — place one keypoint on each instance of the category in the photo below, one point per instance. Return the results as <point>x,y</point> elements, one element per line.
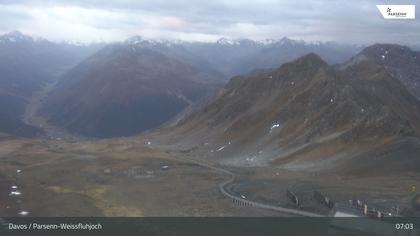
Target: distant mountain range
<point>234,57</point>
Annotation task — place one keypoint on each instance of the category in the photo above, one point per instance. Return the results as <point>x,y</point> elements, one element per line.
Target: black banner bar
<point>202,226</point>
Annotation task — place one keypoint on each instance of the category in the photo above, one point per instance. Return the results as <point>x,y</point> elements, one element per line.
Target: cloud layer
<point>92,20</point>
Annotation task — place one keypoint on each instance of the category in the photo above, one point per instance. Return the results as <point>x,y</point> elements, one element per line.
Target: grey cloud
<point>347,21</point>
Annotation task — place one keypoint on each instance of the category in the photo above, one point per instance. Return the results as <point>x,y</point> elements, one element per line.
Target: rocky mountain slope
<point>304,115</point>
<point>400,61</point>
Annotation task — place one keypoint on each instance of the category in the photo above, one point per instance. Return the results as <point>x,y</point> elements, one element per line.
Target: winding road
<point>223,189</point>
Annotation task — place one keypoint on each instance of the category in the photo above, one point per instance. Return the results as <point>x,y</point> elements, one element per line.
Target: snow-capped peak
<point>139,41</point>
<point>134,40</point>
<point>15,36</point>
<point>226,41</point>
<point>288,41</point>
<point>267,41</point>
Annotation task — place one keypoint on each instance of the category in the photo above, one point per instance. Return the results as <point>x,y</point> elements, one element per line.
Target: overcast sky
<point>356,21</point>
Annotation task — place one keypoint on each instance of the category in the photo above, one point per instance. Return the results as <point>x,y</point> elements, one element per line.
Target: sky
<point>356,21</point>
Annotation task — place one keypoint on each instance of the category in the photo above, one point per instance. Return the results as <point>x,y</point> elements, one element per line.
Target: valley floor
<point>32,117</point>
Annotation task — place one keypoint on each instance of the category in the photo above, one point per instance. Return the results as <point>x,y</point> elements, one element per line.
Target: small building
<point>350,221</point>
<point>345,210</point>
